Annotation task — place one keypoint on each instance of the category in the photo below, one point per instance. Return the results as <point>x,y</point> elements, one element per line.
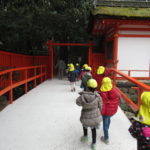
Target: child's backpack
<point>85,78</point>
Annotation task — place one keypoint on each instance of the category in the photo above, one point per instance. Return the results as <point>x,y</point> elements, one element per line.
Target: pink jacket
<point>110,101</point>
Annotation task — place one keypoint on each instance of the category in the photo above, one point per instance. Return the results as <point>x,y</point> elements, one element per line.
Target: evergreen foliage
<point>25,25</point>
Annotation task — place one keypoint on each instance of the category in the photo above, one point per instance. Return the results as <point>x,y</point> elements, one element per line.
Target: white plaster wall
<point>134,54</point>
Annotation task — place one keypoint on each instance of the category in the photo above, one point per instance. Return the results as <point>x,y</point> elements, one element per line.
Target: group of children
<point>99,102</point>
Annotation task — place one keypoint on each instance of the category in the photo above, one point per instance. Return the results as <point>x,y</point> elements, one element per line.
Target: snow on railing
<point>12,78</point>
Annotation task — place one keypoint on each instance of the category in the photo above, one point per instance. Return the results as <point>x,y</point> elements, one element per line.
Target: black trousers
<point>93,130</point>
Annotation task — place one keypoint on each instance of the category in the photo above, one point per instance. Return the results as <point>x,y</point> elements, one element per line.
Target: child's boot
<point>93,146</point>
<point>84,139</point>
<point>104,140</point>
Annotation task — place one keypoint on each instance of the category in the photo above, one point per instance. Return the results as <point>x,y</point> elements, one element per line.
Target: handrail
<point>12,78</point>
<point>139,86</point>
<point>130,71</point>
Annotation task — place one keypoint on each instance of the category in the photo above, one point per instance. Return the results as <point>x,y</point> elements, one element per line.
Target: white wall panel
<point>134,54</point>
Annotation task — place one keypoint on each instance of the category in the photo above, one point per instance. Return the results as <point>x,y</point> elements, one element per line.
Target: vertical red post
<point>41,74</point>
<point>11,90</point>
<point>149,68</point>
<point>50,47</point>
<point>26,84</point>
<point>35,76</point>
<point>115,56</point>
<point>90,54</point>
<point>129,73</point>
<point>139,97</point>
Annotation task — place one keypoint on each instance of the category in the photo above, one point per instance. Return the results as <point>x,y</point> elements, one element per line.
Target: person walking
<point>101,72</point>
<point>140,128</point>
<point>91,104</point>
<point>72,75</point>
<point>85,77</point>
<point>110,99</point>
<point>60,66</point>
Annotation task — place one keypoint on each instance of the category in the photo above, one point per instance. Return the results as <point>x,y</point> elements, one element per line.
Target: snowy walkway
<point>47,118</point>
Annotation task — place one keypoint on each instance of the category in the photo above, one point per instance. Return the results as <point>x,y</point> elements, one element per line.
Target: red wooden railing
<point>11,60</point>
<point>137,86</point>
<point>129,73</point>
<point>12,78</point>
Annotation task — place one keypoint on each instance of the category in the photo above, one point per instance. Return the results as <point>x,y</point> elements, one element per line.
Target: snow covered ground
<point>47,118</point>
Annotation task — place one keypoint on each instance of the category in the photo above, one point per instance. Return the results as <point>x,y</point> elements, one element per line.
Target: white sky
<point>47,118</point>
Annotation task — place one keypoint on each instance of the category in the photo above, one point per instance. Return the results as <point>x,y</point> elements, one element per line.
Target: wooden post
<point>115,56</point>
<point>35,70</point>
<point>50,47</point>
<point>11,90</point>
<point>41,74</point>
<point>90,54</point>
<point>26,84</point>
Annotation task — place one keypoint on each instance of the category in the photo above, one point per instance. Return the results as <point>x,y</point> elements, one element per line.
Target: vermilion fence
<point>136,85</point>
<point>12,60</point>
<point>12,78</point>
<point>129,73</point>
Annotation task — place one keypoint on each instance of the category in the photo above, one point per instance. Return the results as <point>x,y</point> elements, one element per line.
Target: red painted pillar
<point>115,56</point>
<point>50,47</point>
<point>11,90</point>
<point>90,55</point>
<point>115,51</point>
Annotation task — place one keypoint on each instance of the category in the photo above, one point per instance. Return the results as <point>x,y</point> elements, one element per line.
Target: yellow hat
<point>77,64</point>
<point>71,67</point>
<point>144,111</point>
<point>92,83</point>
<point>100,70</point>
<point>85,65</point>
<point>106,84</point>
<point>88,68</point>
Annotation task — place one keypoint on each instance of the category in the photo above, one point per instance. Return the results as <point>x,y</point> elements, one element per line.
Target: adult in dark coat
<point>60,66</point>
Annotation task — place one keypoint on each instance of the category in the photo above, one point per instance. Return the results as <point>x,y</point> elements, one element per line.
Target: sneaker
<point>93,146</point>
<point>84,139</point>
<point>74,89</point>
<point>105,141</point>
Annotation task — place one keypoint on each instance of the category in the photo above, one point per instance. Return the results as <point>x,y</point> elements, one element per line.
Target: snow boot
<point>84,139</point>
<point>105,141</point>
<point>93,146</point>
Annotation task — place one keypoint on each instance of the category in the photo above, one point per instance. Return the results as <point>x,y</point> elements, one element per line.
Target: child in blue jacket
<point>72,75</point>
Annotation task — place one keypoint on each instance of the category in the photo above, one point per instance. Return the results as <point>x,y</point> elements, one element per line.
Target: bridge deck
<point>47,118</point>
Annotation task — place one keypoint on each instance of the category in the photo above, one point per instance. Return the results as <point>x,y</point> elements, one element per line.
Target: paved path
<point>47,118</point>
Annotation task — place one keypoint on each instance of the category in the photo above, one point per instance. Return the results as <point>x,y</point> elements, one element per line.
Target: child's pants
<point>93,134</point>
<point>106,124</point>
<point>72,84</point>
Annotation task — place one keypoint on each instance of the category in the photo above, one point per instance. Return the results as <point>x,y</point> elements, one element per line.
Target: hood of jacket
<point>89,99</point>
